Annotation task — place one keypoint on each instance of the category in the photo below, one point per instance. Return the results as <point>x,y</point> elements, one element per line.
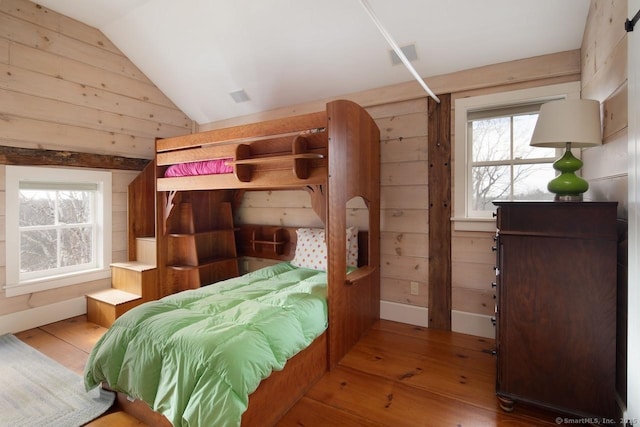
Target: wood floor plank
<point>454,339</point>
<point>397,375</point>
<point>77,332</point>
<point>311,413</point>
<point>393,403</point>
<point>57,349</point>
<point>465,374</point>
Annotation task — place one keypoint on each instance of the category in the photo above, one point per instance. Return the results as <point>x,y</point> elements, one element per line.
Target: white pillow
<point>311,248</point>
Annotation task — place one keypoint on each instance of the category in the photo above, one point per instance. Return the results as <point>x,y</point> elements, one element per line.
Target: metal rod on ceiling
<point>629,24</point>
<point>397,50</point>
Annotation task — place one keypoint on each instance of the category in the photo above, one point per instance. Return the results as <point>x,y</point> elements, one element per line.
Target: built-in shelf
<point>200,242</point>
<point>300,158</point>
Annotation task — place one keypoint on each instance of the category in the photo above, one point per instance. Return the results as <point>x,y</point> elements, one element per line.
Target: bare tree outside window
<point>503,165</point>
<point>56,229</point>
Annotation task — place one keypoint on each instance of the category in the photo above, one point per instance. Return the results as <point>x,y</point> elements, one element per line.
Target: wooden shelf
<point>203,233</point>
<point>199,244</point>
<point>273,159</point>
<point>276,242</point>
<point>299,158</point>
<point>267,242</point>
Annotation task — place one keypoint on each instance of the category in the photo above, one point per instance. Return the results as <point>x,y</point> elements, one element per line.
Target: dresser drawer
<point>590,220</point>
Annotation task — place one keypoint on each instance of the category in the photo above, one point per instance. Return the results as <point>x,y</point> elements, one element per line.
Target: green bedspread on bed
<point>197,355</point>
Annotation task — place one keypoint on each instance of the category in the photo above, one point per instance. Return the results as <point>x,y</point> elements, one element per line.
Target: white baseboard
<point>404,313</point>
<point>39,316</point>
<point>472,324</point>
<point>462,322</point>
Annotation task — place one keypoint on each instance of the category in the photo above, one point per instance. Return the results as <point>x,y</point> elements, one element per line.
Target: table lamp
<point>568,123</point>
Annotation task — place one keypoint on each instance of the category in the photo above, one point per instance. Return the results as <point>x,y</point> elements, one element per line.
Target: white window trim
<point>461,219</point>
<point>13,176</point>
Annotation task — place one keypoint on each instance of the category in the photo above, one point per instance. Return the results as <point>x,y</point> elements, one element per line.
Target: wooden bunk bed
<point>332,154</point>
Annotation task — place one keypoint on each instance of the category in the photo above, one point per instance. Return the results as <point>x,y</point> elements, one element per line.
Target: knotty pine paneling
<point>477,301</point>
<point>31,133</point>
<point>472,275</point>
<point>399,291</point>
<point>604,78</point>
<point>404,197</point>
<point>404,267</point>
<point>473,247</point>
<point>603,32</point>
<point>472,272</point>
<point>614,113</point>
<point>73,71</point>
<point>34,13</point>
<point>404,244</point>
<point>404,200</point>
<point>404,173</point>
<point>4,51</point>
<point>31,34</point>
<point>65,86</point>
<point>51,110</point>
<point>402,126</point>
<point>35,83</point>
<point>404,150</point>
<point>608,160</point>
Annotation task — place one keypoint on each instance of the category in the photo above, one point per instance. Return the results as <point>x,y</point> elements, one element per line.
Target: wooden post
<point>439,137</point>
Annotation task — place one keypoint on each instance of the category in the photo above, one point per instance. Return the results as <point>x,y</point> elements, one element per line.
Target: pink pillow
<point>205,167</point>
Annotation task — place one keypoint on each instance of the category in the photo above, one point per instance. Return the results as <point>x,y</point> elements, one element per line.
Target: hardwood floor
<point>397,375</point>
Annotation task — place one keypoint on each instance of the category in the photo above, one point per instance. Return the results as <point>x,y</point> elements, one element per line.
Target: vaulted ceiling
<point>287,52</point>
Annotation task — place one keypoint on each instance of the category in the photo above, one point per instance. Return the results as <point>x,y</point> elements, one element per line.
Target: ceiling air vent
<point>239,95</point>
<point>409,51</point>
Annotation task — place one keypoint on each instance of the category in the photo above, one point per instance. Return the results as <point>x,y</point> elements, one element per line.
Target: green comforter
<point>196,356</point>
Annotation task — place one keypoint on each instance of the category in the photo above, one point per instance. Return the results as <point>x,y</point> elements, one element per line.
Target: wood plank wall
<point>404,203</point>
<point>65,86</point>
<point>404,187</point>
<point>604,78</point>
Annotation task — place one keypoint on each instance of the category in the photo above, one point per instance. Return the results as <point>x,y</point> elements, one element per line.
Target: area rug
<point>37,391</point>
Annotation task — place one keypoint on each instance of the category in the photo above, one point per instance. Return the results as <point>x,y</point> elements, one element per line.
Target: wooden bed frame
<point>332,154</point>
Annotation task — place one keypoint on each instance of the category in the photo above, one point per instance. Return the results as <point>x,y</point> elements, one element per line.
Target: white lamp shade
<point>569,120</point>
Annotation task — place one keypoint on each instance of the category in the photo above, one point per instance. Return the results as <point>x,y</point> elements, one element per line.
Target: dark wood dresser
<point>556,306</point>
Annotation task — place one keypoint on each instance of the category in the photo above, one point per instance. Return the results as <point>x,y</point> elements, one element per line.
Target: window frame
<point>103,207</point>
<point>462,220</point>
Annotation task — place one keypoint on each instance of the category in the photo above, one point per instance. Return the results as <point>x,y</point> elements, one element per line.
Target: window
<point>502,164</point>
<point>59,222</point>
<point>493,159</point>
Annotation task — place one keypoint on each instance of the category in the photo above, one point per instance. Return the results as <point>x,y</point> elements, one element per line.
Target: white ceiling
<point>286,52</point>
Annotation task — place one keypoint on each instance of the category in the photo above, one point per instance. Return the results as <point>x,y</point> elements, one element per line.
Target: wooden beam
<point>39,157</point>
<point>439,179</point>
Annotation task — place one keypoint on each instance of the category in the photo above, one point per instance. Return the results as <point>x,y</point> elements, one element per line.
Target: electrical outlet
<point>415,288</point>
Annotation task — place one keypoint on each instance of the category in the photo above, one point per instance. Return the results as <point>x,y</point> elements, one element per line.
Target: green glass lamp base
<point>568,186</point>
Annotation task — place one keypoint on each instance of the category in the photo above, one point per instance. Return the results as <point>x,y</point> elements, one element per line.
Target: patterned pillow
<point>352,247</point>
<point>311,248</point>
